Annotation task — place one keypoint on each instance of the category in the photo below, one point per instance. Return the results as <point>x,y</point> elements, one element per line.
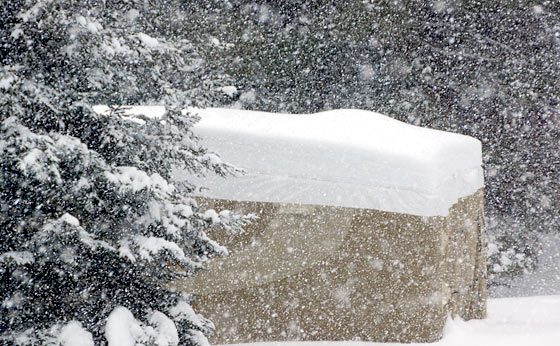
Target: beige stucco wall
<point>304,272</point>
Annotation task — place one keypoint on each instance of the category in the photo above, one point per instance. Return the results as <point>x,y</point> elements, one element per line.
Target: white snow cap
<point>73,334</point>
<point>347,157</point>
<point>122,329</point>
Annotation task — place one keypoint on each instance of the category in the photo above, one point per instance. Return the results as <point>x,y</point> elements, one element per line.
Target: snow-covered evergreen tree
<point>90,223</point>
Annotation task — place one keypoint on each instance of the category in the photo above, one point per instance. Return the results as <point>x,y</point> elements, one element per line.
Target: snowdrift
<point>369,229</point>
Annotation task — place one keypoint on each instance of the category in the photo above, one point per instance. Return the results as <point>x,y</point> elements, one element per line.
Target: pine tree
<point>90,222</point>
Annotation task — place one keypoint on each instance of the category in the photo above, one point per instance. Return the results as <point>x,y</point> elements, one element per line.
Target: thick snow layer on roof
<point>349,158</point>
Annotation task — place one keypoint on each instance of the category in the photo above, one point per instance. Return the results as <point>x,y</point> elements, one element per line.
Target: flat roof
<point>349,158</point>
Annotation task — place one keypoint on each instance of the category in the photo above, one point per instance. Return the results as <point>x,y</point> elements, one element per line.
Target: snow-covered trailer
<point>369,228</point>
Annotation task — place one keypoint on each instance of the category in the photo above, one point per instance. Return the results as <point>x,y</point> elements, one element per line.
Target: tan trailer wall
<point>465,269</point>
<point>303,272</point>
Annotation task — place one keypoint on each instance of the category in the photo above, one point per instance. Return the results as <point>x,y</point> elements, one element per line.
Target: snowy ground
<point>511,322</point>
